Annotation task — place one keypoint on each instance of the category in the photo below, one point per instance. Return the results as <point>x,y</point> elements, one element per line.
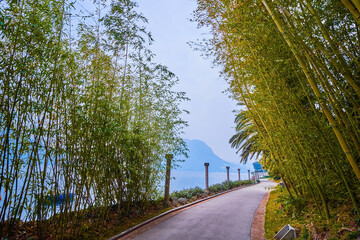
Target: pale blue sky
<point>211,112</point>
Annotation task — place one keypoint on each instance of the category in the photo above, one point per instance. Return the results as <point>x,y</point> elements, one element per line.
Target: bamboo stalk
<point>311,81</point>
<point>344,71</point>
<point>329,57</point>
<point>350,6</point>
<point>356,3</point>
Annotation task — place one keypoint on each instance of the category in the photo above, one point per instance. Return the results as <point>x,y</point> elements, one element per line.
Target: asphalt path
<point>225,217</point>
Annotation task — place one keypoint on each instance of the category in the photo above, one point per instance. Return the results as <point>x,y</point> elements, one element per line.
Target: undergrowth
<point>302,214</point>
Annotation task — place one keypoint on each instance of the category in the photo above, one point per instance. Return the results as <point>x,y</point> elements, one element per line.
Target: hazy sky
<point>211,112</point>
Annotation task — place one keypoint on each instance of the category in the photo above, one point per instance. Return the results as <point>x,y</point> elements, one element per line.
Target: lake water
<point>184,179</point>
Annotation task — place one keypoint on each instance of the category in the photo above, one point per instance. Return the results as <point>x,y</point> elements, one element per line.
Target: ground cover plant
<point>282,209</point>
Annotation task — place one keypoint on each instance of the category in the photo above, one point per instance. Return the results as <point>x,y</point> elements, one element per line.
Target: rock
<point>201,195</point>
<point>182,200</point>
<point>174,202</point>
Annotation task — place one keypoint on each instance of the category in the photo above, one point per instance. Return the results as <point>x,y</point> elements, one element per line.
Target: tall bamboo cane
<point>312,82</point>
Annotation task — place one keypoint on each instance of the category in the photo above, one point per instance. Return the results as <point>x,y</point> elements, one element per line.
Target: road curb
<point>130,230</point>
<point>257,231</point>
<point>257,226</point>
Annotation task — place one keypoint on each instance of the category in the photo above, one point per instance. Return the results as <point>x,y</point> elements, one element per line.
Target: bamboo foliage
<point>294,67</point>
<point>352,8</point>
<point>86,114</point>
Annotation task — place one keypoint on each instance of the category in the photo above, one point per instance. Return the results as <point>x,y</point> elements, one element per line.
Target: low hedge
<point>216,188</point>
<point>188,193</point>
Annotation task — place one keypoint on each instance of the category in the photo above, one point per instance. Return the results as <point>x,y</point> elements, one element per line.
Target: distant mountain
<point>199,153</point>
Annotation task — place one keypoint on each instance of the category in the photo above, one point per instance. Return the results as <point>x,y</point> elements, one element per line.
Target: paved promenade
<point>225,217</point>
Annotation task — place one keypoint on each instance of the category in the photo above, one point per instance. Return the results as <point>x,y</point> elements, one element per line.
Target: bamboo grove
<point>85,113</point>
<point>293,67</point>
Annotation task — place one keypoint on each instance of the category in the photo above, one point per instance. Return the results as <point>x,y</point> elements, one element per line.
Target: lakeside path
<point>225,217</point>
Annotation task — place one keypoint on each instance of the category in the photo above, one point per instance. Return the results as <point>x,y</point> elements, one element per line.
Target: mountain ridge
<point>199,153</point>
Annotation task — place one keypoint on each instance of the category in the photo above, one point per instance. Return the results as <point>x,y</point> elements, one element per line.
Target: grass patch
<point>302,214</point>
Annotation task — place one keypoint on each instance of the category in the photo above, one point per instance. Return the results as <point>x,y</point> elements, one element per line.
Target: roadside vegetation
<point>282,209</point>
<point>94,226</point>
<point>191,194</point>
<point>86,116</point>
<point>293,66</point>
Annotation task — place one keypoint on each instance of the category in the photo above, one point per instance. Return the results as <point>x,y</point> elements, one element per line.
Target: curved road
<point>225,217</point>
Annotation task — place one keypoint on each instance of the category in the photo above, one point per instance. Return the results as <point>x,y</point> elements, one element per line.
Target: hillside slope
<point>199,153</point>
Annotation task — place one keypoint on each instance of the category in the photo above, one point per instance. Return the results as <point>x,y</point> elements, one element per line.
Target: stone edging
<point>257,226</point>
<point>171,211</point>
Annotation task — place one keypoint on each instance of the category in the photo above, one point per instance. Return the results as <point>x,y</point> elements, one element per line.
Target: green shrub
<point>292,205</point>
<point>188,193</point>
<point>216,188</point>
<point>246,182</point>
<point>195,192</point>
<point>235,184</point>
